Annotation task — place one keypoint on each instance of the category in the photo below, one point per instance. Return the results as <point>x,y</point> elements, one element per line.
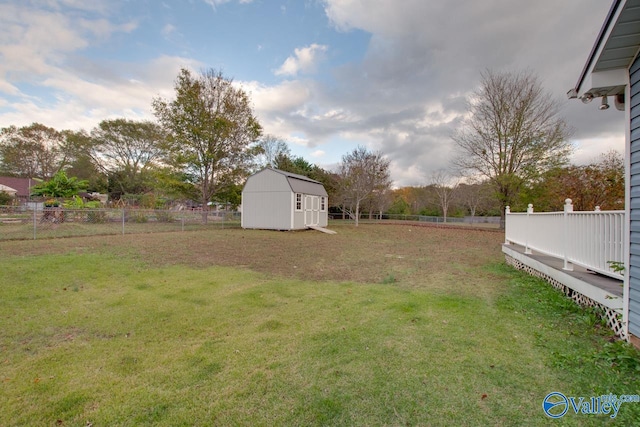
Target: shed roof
<point>302,184</point>
<point>616,46</point>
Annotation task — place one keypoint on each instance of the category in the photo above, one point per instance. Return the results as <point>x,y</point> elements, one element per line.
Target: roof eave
<point>612,81</point>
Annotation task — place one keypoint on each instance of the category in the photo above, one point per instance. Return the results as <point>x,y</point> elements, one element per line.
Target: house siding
<point>634,205</point>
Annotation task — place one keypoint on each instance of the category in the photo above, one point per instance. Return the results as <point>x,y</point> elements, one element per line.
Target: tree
<point>271,148</point>
<point>59,186</point>
<point>211,127</point>
<point>513,133</point>
<point>600,183</point>
<point>476,197</point>
<point>361,174</point>
<point>127,151</point>
<point>34,151</point>
<point>445,188</point>
<point>81,164</point>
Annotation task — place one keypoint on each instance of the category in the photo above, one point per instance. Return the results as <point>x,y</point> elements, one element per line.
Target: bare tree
<point>271,147</point>
<point>361,174</point>
<point>513,133</point>
<point>445,188</point>
<point>475,196</point>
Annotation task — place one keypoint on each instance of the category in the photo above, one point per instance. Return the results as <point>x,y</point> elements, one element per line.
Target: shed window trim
<point>298,202</point>
<point>323,204</point>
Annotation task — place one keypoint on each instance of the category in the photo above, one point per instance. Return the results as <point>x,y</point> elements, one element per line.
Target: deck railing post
<point>568,208</point>
<point>507,211</point>
<point>527,250</point>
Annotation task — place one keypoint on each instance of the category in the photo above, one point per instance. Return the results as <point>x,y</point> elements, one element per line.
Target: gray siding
<point>266,180</point>
<point>267,201</point>
<point>634,208</point>
<point>267,210</point>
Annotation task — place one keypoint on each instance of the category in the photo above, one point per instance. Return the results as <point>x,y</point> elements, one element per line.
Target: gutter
<point>573,93</point>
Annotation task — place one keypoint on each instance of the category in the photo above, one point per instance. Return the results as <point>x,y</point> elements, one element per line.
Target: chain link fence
<point>489,221</point>
<point>21,223</point>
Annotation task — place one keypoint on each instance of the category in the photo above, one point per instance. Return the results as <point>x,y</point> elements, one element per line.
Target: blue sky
<point>324,75</point>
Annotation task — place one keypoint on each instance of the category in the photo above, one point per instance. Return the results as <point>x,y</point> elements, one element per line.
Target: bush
<point>164,216</point>
<point>138,217</point>
<point>97,217</point>
<point>5,198</point>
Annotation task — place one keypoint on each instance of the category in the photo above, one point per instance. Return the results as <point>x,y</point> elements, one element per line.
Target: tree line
<point>513,149</point>
<point>204,144</point>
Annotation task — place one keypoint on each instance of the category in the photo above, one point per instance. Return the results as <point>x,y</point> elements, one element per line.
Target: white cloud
<point>168,29</point>
<point>303,60</point>
<point>403,96</point>
<point>215,3</point>
<point>283,98</point>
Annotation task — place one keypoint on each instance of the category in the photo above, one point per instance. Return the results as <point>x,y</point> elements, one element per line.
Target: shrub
<point>138,217</point>
<point>5,198</point>
<point>164,216</point>
<point>97,217</point>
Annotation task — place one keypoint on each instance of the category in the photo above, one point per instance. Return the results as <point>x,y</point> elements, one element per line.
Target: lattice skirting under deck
<point>611,316</point>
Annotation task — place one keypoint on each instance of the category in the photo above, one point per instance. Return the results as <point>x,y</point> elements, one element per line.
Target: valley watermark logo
<point>556,404</point>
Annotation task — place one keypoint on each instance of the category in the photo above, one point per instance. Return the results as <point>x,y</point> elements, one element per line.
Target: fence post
<point>123,217</point>
<point>527,249</point>
<point>568,208</point>
<point>35,220</point>
<point>507,211</point>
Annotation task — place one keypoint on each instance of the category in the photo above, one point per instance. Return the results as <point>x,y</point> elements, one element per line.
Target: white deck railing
<point>593,239</point>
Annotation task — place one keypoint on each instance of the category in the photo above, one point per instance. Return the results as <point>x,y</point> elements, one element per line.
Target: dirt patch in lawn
<point>410,255</point>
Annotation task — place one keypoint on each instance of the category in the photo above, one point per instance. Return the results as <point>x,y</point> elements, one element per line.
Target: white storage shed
<point>276,200</point>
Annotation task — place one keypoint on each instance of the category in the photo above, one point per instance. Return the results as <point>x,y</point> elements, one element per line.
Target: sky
<point>324,75</point>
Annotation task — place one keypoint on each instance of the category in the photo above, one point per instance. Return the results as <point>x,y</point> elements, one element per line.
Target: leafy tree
<point>127,151</point>
<point>34,151</point>
<point>600,183</point>
<point>513,133</point>
<point>211,128</point>
<point>399,206</point>
<point>59,186</point>
<point>300,166</point>
<point>81,163</point>
<point>361,174</point>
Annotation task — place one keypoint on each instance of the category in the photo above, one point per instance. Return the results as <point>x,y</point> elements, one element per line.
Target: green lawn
<point>379,325</point>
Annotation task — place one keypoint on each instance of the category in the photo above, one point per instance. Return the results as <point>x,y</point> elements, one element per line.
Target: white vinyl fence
<point>591,239</point>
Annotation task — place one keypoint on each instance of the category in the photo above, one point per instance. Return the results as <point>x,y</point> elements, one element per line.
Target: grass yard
<point>377,325</point>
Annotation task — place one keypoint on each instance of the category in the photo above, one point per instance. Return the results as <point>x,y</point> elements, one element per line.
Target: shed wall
<point>266,180</point>
<point>267,210</point>
<point>634,208</point>
<point>268,201</point>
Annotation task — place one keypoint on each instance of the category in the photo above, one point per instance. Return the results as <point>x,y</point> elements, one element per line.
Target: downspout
<point>627,206</point>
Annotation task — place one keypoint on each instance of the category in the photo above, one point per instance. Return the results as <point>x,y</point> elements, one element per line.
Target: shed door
<point>311,210</point>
